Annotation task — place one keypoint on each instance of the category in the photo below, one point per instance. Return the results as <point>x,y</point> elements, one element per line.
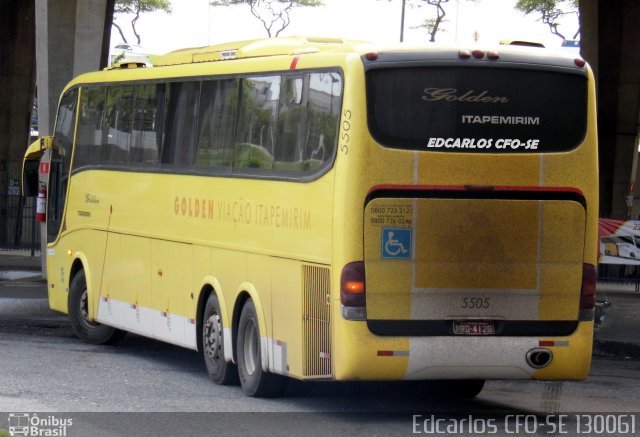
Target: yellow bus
<point>320,209</point>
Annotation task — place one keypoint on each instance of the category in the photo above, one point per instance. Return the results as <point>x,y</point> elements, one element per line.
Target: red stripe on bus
<point>294,62</point>
<point>472,187</point>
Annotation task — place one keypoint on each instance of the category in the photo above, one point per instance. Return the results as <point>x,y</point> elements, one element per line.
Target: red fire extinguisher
<point>41,204</point>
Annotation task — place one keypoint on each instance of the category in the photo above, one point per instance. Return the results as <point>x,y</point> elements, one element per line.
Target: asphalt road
<point>45,369</point>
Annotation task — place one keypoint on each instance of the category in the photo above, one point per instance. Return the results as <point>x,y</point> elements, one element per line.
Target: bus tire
<point>254,380</point>
<point>463,388</point>
<point>87,330</point>
<point>221,372</point>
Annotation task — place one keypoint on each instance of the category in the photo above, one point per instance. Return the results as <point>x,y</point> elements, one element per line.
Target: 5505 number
<point>346,127</point>
<point>475,303</point>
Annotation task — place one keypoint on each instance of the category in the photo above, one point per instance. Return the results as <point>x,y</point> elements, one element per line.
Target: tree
<point>273,14</point>
<point>551,11</point>
<point>137,7</point>
<point>433,25</point>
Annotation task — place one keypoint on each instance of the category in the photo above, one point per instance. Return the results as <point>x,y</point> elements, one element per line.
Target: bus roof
<point>192,61</point>
<point>254,48</point>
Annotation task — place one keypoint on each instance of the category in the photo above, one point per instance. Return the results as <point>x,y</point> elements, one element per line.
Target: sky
<point>194,23</point>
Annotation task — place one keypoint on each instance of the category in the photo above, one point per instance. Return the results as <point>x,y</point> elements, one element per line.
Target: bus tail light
<point>353,291</point>
<point>588,293</point>
<point>371,56</point>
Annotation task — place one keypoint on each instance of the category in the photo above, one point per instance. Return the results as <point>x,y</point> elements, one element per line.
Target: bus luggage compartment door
<point>466,263</point>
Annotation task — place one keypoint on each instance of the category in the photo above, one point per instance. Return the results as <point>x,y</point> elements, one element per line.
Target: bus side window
<point>117,125</point>
<point>292,125</point>
<point>89,136</point>
<point>257,122</point>
<point>325,101</point>
<point>145,134</point>
<point>61,162</point>
<point>217,120</point>
<point>181,116</point>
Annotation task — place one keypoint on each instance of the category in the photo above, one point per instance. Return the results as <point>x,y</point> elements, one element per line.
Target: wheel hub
<point>213,337</point>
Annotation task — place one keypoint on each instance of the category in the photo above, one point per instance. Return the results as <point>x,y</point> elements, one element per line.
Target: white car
<point>129,53</point>
<point>627,247</point>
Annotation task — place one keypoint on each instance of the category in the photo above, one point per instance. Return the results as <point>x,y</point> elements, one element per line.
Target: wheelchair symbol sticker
<point>396,243</point>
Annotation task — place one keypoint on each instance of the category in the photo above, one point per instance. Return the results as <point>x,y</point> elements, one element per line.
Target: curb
<point>28,309</point>
<point>20,275</point>
<point>11,307</point>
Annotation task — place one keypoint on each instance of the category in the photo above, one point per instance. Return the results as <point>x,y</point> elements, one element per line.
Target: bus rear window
<point>477,109</point>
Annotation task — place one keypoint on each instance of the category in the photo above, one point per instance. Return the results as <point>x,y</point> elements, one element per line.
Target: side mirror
<point>31,163</point>
<point>38,147</point>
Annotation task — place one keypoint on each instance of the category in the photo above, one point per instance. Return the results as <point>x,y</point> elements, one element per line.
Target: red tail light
<point>588,291</point>
<point>371,56</point>
<point>352,285</point>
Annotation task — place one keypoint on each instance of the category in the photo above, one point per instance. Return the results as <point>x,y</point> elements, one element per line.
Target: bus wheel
<point>78,307</point>
<point>221,371</point>
<point>254,380</point>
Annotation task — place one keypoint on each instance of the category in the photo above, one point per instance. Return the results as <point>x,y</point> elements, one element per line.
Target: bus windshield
<point>477,109</point>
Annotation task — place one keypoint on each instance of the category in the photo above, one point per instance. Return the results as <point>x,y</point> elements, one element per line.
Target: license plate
<point>473,328</point>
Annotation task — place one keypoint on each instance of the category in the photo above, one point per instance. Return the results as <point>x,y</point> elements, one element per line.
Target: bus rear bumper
<point>365,356</point>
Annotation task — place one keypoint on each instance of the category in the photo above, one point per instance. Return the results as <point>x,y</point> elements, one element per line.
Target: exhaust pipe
<point>539,358</point>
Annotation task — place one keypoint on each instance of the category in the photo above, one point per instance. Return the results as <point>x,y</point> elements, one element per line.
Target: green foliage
<point>4,433</point>
<point>273,14</point>
<point>248,155</point>
<point>118,58</point>
<point>140,6</point>
<point>259,2</point>
<point>137,7</point>
<point>433,24</point>
<point>550,11</point>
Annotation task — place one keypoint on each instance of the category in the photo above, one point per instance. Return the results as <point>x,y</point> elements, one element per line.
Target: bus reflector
<point>294,62</point>
<point>353,291</point>
<point>588,291</point>
<point>478,54</point>
<point>493,55</point>
<point>579,62</point>
<point>464,54</point>
<point>371,56</point>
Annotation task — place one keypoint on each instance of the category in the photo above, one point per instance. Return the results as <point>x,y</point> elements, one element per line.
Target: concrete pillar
<point>17,69</point>
<point>609,42</point>
<point>69,42</point>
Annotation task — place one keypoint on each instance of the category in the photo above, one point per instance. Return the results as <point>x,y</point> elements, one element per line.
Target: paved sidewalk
<point>10,260</point>
<point>618,336</point>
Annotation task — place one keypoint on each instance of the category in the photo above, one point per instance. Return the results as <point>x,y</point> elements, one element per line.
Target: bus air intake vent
<point>316,322</point>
